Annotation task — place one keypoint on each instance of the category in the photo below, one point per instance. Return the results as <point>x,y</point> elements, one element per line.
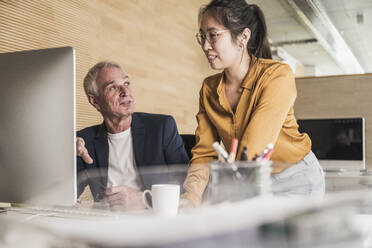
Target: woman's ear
<point>245,36</point>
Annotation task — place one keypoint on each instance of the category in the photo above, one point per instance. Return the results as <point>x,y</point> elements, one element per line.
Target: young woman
<point>251,99</point>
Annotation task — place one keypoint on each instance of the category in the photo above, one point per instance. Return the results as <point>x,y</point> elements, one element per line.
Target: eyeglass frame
<point>201,40</point>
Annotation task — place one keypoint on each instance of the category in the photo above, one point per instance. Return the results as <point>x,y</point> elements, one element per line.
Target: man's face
<point>115,96</point>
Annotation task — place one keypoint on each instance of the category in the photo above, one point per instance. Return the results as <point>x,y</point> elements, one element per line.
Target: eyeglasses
<point>211,36</point>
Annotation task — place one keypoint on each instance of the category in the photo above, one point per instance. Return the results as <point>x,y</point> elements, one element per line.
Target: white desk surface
<point>145,229</point>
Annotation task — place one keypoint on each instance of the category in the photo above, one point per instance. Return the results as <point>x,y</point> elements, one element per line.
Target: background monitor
<point>37,127</point>
<point>337,143</point>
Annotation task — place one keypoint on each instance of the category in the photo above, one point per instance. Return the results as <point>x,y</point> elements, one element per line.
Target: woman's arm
<point>203,153</point>
<point>277,97</point>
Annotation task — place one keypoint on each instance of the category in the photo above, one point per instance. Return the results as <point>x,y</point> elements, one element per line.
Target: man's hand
<point>124,198</point>
<point>81,151</point>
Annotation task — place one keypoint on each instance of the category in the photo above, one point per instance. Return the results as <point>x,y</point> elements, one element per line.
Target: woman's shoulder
<point>212,81</point>
<point>270,66</point>
<point>276,75</point>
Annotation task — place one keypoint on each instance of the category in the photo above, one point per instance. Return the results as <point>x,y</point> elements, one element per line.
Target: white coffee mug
<point>165,199</point>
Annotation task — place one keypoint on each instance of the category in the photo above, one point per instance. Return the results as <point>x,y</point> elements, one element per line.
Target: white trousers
<point>304,178</point>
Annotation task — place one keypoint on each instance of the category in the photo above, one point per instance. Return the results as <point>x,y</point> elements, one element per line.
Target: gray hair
<point>90,84</point>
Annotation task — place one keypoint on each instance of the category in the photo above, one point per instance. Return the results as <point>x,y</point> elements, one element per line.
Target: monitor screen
<point>37,128</point>
<point>337,143</point>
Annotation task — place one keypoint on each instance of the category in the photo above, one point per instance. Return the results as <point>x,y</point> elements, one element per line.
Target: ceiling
<point>323,37</point>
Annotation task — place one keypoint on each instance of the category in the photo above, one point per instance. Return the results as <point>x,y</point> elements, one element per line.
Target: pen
<point>232,155</point>
<point>235,169</point>
<point>233,148</point>
<point>219,149</point>
<point>266,153</point>
<point>244,155</point>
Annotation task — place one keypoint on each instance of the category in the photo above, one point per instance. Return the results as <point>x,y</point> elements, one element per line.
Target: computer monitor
<point>339,144</point>
<point>37,127</point>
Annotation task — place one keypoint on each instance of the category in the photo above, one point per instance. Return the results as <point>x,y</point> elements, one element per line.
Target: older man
<point>111,153</point>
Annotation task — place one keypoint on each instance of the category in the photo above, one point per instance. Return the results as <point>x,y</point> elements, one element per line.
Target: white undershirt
<point>122,166</point>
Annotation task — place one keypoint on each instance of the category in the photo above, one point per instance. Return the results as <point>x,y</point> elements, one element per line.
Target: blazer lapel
<point>102,154</point>
<point>138,135</point>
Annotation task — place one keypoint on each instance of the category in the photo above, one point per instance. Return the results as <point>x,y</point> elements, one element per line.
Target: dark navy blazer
<point>155,142</point>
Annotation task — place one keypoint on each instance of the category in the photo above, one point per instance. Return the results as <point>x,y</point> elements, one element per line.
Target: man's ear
<point>92,100</point>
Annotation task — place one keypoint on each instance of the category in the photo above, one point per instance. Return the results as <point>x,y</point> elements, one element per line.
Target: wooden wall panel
<point>337,96</point>
<point>154,41</point>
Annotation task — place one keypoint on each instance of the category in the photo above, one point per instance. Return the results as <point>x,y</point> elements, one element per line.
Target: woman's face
<point>221,51</point>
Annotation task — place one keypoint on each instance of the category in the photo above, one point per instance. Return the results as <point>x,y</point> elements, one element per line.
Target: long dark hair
<point>236,15</point>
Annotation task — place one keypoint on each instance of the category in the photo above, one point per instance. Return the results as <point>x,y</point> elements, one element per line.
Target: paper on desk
<point>143,230</point>
<point>204,222</point>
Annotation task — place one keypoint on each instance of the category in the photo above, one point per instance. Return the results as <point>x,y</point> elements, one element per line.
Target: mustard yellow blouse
<point>264,115</point>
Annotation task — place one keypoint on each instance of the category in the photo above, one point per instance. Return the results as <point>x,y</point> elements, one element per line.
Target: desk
<point>350,180</point>
<point>224,225</point>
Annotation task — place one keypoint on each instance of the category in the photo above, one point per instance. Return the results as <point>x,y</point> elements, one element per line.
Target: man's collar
<point>103,127</point>
<point>102,131</point>
<point>136,124</point>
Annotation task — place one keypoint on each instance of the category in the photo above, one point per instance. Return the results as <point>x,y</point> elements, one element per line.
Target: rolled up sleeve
<point>203,152</point>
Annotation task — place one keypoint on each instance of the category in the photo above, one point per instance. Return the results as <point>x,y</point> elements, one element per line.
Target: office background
<point>154,41</point>
<point>337,97</point>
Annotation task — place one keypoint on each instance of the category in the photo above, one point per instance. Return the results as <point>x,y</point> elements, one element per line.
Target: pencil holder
<point>237,181</point>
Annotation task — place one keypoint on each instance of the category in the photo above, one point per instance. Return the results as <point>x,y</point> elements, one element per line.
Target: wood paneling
<point>154,41</point>
<point>337,96</point>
